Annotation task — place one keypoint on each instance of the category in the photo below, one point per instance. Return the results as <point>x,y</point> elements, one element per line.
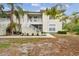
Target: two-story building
<point>33,22</point>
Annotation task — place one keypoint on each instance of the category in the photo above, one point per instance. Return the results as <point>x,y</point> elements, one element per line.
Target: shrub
<point>17,32</point>
<point>37,34</point>
<point>76,29</point>
<point>77,33</point>
<point>62,32</point>
<point>27,34</point>
<point>69,27</point>
<point>32,34</point>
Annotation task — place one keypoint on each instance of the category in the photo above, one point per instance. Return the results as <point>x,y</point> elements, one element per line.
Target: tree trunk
<point>11,17</point>
<point>19,25</point>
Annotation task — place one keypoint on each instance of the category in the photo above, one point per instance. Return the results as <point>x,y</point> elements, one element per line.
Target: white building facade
<point>34,22</point>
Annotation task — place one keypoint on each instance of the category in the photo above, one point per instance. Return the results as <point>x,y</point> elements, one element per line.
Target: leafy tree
<point>75,18</point>
<point>73,26</point>
<point>17,11</point>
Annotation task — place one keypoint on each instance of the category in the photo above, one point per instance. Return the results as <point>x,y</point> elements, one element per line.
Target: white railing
<point>34,28</point>
<point>28,24</point>
<point>35,20</point>
<point>4,20</point>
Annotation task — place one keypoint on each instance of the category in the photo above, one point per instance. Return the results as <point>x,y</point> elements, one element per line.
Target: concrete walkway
<point>47,36</point>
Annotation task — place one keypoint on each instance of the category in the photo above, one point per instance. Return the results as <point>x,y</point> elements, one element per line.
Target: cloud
<point>43,8</point>
<point>35,4</point>
<point>37,10</point>
<point>6,8</point>
<point>67,5</point>
<point>24,9</point>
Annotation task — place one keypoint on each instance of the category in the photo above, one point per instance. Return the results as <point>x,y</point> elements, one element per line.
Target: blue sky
<point>41,6</point>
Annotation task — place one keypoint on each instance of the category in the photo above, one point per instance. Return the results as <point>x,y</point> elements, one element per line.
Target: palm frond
<point>1,8</point>
<point>75,13</point>
<point>16,14</point>
<point>20,10</point>
<point>55,12</point>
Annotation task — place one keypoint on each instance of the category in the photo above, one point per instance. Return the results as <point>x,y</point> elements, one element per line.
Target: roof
<point>31,11</point>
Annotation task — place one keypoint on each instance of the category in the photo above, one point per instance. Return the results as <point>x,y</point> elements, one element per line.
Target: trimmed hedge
<point>62,32</point>
<point>77,33</point>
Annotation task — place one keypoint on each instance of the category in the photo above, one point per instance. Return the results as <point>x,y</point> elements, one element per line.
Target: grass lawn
<point>25,40</point>
<point>3,45</point>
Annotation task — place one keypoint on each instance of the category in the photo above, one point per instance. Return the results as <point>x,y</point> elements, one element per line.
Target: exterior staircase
<point>30,29</point>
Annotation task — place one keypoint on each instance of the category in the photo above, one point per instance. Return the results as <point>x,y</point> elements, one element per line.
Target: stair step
<point>27,29</point>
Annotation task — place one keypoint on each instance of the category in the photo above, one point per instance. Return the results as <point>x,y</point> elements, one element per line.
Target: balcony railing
<point>35,20</point>
<point>34,28</point>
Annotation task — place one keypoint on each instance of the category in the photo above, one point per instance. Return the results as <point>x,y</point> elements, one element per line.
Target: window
<point>50,17</point>
<point>52,25</point>
<point>35,17</point>
<point>35,20</point>
<point>51,29</point>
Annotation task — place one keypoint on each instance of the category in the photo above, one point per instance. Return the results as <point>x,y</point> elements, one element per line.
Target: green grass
<point>7,43</point>
<point>21,41</point>
<point>3,45</point>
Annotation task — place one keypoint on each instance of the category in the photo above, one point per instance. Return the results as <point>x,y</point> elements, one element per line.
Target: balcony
<point>35,20</point>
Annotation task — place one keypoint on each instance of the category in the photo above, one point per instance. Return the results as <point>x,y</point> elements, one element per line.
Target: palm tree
<point>2,14</point>
<point>1,8</point>
<point>55,11</point>
<point>17,11</point>
<point>75,18</point>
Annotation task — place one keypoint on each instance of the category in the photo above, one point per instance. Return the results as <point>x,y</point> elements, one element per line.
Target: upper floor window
<point>50,17</point>
<point>51,29</point>
<point>35,17</point>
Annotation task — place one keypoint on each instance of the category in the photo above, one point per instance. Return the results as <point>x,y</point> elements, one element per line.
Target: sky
<point>42,6</point>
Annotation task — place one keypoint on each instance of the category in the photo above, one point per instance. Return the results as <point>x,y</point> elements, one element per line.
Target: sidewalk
<point>47,36</point>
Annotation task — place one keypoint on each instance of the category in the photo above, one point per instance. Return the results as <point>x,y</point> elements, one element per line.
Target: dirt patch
<point>62,45</point>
